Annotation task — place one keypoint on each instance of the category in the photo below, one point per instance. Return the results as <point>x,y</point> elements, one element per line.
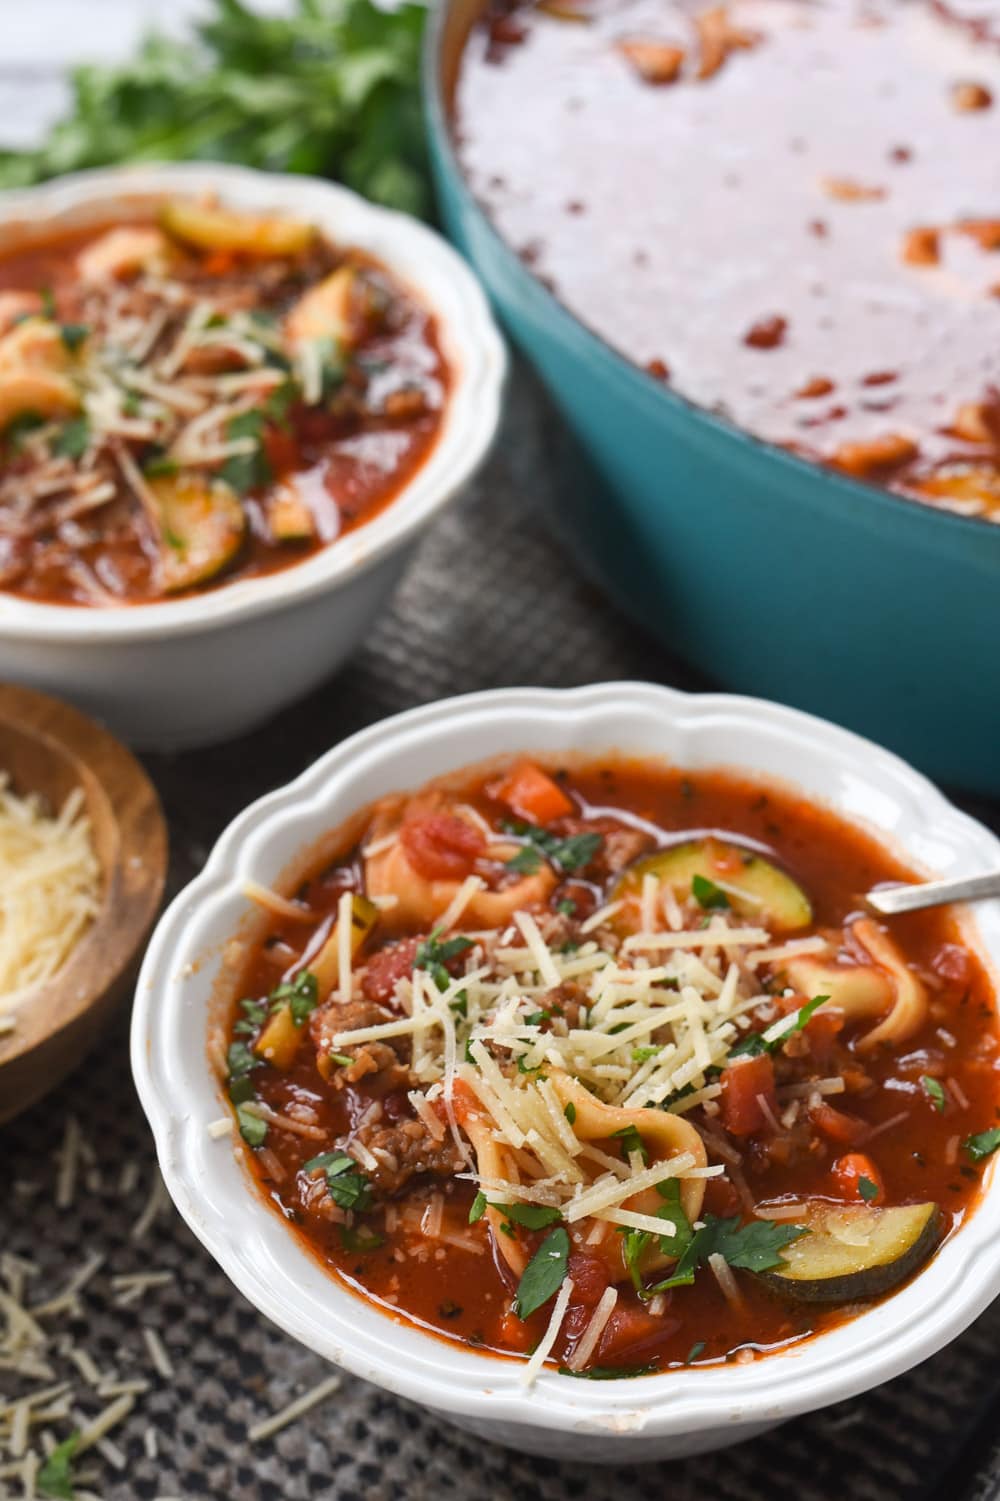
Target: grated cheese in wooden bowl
<point>50,887</point>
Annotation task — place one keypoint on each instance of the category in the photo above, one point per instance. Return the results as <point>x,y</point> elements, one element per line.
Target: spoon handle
<point>897,899</point>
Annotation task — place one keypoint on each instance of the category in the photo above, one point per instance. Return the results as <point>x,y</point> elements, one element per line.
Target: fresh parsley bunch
<point>333,89</point>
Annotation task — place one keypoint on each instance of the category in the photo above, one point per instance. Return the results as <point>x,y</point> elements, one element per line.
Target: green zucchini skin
<point>773,897</point>
<point>826,1271</point>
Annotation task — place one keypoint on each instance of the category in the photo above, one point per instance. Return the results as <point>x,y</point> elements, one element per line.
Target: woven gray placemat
<point>491,600</point>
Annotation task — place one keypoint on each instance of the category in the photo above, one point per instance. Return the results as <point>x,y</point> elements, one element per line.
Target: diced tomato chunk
<point>721,1198</point>
<point>628,1329</point>
<point>836,1125</point>
<point>533,794</point>
<point>281,449</point>
<point>591,1278</point>
<point>386,967</point>
<point>745,1084</point>
<point>440,846</point>
<point>848,1172</point>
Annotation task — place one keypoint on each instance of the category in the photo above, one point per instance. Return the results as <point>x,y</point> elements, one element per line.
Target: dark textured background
<point>491,600</point>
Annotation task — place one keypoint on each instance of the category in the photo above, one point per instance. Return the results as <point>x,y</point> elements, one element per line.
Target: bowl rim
<point>421,260</point>
<point>325,1315</point>
<point>828,484</point>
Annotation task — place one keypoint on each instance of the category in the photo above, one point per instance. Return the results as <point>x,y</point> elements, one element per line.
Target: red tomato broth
<point>466,1295</point>
<point>784,211</point>
<point>346,457</point>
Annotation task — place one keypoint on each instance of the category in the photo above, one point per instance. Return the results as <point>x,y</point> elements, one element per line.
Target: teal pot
<point>774,576</point>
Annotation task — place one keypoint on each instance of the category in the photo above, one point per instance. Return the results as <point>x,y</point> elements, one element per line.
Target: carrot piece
<point>836,1125</point>
<point>745,1084</point>
<point>533,794</point>
<point>848,1173</point>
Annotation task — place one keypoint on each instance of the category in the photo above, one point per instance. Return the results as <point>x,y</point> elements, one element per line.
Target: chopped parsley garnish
<point>240,1060</point>
<point>55,1478</point>
<point>867,1189</point>
<point>983,1143</point>
<point>72,439</point>
<point>252,1129</point>
<point>570,1113</point>
<point>755,1247</point>
<point>434,954</point>
<point>756,1043</point>
<point>695,1352</point>
<point>631,1142</point>
<point>932,1089</point>
<point>254,1016</point>
<point>636,1242</point>
<point>571,853</point>
<point>348,1186</point>
<point>160,465</point>
<point>566,907</point>
<point>343,1060</point>
<point>544,1273</point>
<point>611,1372</point>
<point>243,472</point>
<point>643,1055</point>
<point>531,1216</point>
<point>16,431</point>
<point>73,335</point>
<point>301,995</point>
<point>707,894</point>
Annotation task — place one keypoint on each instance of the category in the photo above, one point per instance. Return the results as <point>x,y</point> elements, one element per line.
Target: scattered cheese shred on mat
<point>49,889</point>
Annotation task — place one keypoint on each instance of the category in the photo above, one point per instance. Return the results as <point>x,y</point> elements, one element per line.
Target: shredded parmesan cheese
<point>548,1339</point>
<point>50,883</point>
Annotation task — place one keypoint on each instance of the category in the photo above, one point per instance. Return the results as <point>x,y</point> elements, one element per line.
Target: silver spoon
<point>895,899</point>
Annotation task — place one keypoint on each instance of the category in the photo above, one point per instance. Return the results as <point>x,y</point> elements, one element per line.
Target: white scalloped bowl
<point>191,671</point>
<point>681,1412</point>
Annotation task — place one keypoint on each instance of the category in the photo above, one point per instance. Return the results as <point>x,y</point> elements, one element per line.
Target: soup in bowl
<point>576,1093</point>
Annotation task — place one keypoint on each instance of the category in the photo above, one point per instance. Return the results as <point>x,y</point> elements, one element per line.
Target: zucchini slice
<point>202,526</point>
<point>755,888</point>
<point>211,228</point>
<point>855,1251</point>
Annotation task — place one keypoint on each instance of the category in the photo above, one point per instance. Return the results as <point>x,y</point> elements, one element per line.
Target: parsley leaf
<point>611,1372</point>
<point>570,1113</point>
<point>160,465</point>
<point>434,954</point>
<point>571,853</point>
<point>55,1478</point>
<point>73,335</point>
<point>755,1247</point>
<point>631,1142</point>
<point>636,1242</point>
<point>697,1349</point>
<point>342,99</point>
<point>531,1216</point>
<point>478,1208</point>
<point>867,1189</point>
<point>243,472</point>
<point>932,1089</point>
<point>983,1143</point>
<point>301,994</point>
<point>72,439</point>
<point>544,1273</point>
<point>252,1129</point>
<point>755,1043</point>
<point>348,1186</point>
<point>707,894</point>
<point>241,1061</point>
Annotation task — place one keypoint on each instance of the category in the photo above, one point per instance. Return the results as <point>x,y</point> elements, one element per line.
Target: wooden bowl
<point>49,748</point>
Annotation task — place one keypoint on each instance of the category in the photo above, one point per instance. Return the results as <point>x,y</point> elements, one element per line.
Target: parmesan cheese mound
<point>49,890</point>
<point>639,1024</point>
